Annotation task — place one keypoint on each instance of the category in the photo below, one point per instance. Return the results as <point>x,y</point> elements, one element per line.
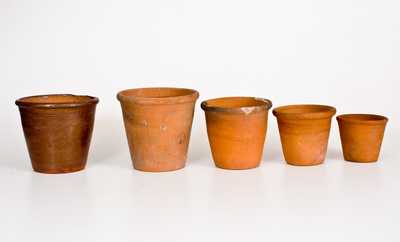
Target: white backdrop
<point>344,53</point>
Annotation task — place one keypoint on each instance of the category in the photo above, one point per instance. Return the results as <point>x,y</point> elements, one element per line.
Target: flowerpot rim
<point>233,105</point>
<point>362,118</point>
<point>304,111</point>
<point>56,101</point>
<point>158,95</point>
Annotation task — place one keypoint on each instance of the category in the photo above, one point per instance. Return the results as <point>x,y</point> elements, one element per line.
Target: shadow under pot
<point>58,130</point>
<point>158,123</point>
<point>236,128</point>
<point>361,136</point>
<point>304,132</point>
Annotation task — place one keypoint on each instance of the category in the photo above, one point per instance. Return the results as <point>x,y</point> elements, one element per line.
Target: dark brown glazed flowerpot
<point>361,136</point>
<point>158,122</point>
<point>304,131</point>
<point>57,130</point>
<point>236,128</point>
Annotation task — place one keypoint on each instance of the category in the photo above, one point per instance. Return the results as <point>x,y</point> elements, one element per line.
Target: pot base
<point>158,170</point>
<point>304,164</point>
<point>237,168</point>
<point>58,170</point>
<point>358,161</point>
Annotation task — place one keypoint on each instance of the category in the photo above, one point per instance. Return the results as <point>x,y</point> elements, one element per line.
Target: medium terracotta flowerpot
<point>361,136</point>
<point>57,129</point>
<point>158,122</point>
<point>236,128</point>
<point>304,131</point>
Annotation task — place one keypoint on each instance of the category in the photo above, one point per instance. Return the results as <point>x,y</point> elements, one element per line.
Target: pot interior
<point>362,118</point>
<point>297,109</point>
<point>236,102</point>
<point>304,111</point>
<point>237,105</point>
<point>54,99</point>
<point>161,92</point>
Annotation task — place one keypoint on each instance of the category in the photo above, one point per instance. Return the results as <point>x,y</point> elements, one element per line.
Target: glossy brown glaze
<point>57,130</point>
<point>236,128</point>
<point>361,136</point>
<point>158,122</point>
<point>304,131</point>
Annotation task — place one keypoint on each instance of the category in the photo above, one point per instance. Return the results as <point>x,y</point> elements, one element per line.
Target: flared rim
<point>244,105</point>
<point>56,101</point>
<point>158,95</point>
<point>304,111</point>
<point>362,118</point>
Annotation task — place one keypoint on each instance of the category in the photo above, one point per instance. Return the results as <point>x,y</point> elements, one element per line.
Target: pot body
<point>58,138</point>
<point>304,137</point>
<point>237,134</point>
<point>158,131</point>
<point>361,139</point>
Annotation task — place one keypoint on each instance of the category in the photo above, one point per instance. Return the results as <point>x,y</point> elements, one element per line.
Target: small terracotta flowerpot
<point>57,129</point>
<point>361,136</point>
<point>304,131</point>
<point>236,128</point>
<point>158,122</point>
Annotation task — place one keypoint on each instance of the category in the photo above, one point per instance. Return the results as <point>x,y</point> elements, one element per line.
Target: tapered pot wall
<point>361,136</point>
<point>304,132</point>
<point>58,130</point>
<point>236,128</point>
<point>158,123</point>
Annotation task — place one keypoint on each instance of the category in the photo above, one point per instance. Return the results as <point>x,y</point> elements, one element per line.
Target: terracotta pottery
<point>361,136</point>
<point>236,128</point>
<point>158,122</point>
<point>304,131</point>
<point>57,129</point>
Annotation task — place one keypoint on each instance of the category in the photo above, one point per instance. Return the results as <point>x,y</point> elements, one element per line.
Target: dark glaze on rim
<point>236,104</point>
<point>55,101</point>
<point>304,111</point>
<point>158,95</point>
<point>371,119</point>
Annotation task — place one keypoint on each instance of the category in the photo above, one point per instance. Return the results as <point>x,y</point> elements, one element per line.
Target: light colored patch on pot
<point>163,127</point>
<point>260,99</point>
<point>247,110</point>
<point>145,123</point>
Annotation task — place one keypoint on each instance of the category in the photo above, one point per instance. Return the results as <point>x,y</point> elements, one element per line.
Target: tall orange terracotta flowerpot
<point>304,131</point>
<point>57,129</point>
<point>236,128</point>
<point>361,136</point>
<point>158,122</point>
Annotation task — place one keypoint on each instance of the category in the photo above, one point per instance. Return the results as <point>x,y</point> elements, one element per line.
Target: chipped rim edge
<point>22,103</point>
<point>238,110</point>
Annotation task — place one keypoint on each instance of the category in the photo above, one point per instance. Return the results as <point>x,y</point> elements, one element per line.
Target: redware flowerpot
<point>361,136</point>
<point>58,130</point>
<point>304,131</point>
<point>158,123</point>
<point>236,128</point>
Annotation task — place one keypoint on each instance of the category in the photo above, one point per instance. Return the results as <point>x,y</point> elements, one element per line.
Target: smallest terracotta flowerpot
<point>361,136</point>
<point>236,128</point>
